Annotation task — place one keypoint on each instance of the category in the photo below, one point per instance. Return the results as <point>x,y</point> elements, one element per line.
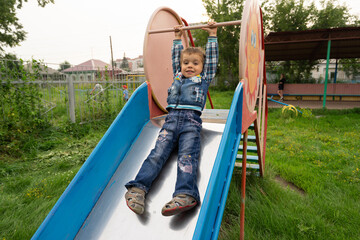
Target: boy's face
<point>191,65</point>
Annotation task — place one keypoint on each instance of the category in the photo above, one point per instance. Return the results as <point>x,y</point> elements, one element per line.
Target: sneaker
<point>135,200</point>
<point>178,204</point>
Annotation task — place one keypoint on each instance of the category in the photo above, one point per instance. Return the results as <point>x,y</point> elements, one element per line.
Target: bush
<point>22,109</point>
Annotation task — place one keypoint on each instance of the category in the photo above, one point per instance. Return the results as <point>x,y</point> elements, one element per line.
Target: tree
<point>351,66</point>
<point>295,15</point>
<point>125,64</point>
<point>287,15</point>
<point>10,61</point>
<point>290,15</point>
<point>228,38</point>
<point>11,30</point>
<point>278,15</point>
<point>332,15</point>
<point>64,66</point>
<point>338,16</point>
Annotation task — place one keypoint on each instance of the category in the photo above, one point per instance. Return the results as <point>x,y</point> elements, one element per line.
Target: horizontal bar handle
<point>221,24</point>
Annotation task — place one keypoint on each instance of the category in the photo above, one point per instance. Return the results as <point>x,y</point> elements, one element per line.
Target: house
<point>43,72</point>
<point>136,65</point>
<point>92,70</point>
<point>320,72</point>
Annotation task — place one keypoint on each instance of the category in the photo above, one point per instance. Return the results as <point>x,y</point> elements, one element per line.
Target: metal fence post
<point>71,98</point>
<point>327,71</point>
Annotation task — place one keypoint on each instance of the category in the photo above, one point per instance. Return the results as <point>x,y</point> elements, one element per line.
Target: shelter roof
<point>313,44</point>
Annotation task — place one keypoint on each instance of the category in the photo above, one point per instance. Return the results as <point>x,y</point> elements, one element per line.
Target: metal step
<point>249,148</point>
<point>248,166</point>
<point>249,158</point>
<point>252,161</point>
<point>251,138</point>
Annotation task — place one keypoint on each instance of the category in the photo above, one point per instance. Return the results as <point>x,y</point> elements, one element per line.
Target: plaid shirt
<point>211,59</point>
<point>190,93</point>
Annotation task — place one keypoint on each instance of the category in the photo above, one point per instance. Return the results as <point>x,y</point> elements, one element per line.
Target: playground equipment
<point>286,106</point>
<point>93,206</point>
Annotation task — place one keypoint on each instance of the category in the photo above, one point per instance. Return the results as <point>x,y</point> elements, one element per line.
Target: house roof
<point>313,44</point>
<point>90,65</point>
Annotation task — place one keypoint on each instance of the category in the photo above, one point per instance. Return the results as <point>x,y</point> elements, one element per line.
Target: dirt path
<point>317,104</point>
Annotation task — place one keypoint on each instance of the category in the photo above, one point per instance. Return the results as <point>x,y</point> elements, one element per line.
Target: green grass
<point>31,185</point>
<point>319,154</point>
<point>220,100</point>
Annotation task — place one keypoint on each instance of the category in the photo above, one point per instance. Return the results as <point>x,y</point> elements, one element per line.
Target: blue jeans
<point>181,128</point>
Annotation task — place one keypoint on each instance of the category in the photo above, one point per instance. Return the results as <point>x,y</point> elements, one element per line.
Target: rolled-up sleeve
<point>176,53</point>
<point>212,58</point>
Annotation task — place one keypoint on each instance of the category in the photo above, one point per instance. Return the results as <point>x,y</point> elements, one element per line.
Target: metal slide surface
<point>112,219</point>
<point>93,205</point>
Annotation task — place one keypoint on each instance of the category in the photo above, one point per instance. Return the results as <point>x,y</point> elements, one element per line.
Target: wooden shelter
<point>333,43</point>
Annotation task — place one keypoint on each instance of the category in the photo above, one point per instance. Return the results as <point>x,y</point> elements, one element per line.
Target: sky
<point>79,30</point>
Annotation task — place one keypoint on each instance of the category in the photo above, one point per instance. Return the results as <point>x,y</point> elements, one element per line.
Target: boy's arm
<point>212,53</point>
<point>211,59</point>
<point>176,51</point>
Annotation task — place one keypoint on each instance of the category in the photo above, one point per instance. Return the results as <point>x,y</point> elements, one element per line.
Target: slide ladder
<point>252,158</point>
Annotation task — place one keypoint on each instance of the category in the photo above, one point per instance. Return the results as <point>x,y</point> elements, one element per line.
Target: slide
<point>93,206</point>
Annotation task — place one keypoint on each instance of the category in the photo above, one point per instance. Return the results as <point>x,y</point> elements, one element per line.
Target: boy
<point>125,93</point>
<point>193,72</point>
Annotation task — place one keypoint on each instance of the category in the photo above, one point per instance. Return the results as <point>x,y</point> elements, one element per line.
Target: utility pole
<point>112,61</point>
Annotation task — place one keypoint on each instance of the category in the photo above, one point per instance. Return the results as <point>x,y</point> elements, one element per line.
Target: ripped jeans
<point>182,128</point>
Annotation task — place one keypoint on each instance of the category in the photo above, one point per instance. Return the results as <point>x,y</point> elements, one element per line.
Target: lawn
<point>317,156</point>
<point>317,159</point>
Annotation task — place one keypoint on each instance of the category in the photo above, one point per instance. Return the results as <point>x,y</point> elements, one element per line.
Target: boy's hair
<point>193,50</point>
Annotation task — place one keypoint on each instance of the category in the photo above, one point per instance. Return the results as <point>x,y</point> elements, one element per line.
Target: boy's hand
<point>178,31</point>
<point>211,29</point>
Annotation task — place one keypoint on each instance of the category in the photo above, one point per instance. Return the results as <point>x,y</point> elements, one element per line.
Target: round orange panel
<point>157,53</point>
<point>250,52</point>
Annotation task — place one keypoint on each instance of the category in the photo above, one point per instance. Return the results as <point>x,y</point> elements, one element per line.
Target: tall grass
<point>319,154</point>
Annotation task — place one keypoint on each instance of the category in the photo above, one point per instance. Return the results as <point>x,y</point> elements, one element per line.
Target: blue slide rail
<point>79,198</point>
<point>212,208</point>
